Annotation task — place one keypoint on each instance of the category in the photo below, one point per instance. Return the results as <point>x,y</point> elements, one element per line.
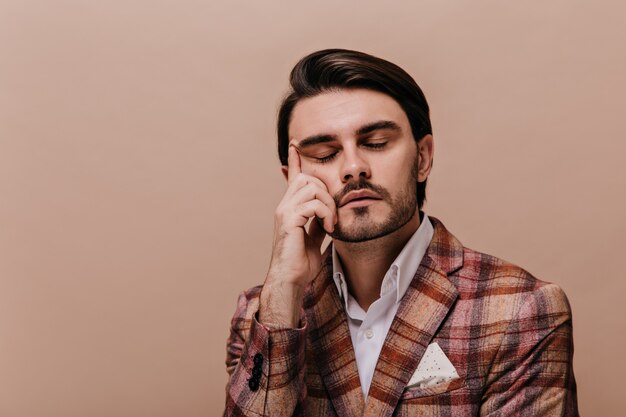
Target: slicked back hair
<point>337,69</point>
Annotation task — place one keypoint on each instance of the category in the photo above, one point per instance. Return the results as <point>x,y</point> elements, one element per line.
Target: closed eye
<point>326,158</point>
<point>330,157</point>
<point>375,145</point>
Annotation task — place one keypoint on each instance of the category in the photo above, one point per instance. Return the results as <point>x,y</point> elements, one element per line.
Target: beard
<point>363,228</point>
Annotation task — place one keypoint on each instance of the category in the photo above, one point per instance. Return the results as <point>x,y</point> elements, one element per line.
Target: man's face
<point>359,143</point>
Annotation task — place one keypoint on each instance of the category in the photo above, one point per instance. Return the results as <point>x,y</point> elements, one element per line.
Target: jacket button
<point>253,383</point>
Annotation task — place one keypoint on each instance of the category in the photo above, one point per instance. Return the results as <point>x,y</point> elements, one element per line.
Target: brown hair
<point>333,69</point>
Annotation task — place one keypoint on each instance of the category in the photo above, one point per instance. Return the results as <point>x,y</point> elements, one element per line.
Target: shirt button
<point>369,333</point>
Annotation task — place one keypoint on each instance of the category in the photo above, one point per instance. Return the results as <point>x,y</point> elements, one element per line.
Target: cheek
<point>405,163</point>
<point>394,172</point>
<point>311,169</point>
<point>396,168</point>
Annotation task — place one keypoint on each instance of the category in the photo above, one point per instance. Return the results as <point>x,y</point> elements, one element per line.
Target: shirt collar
<point>402,270</point>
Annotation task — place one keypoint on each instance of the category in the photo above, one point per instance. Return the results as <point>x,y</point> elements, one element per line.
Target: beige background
<point>138,176</point>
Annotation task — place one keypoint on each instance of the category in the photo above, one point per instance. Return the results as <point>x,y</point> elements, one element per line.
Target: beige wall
<point>138,176</point>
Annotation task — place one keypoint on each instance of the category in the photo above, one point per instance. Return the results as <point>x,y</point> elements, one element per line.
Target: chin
<point>363,226</point>
<point>362,233</point>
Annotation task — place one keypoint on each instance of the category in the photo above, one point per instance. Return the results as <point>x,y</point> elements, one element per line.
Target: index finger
<point>293,162</point>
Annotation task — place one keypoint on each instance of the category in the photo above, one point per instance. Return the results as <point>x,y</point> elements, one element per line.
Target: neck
<point>366,263</point>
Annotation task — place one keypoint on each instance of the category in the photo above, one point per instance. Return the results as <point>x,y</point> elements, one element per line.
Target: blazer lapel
<point>329,336</point>
<point>421,312</point>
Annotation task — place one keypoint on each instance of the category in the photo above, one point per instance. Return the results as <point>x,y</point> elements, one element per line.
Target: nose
<point>354,166</point>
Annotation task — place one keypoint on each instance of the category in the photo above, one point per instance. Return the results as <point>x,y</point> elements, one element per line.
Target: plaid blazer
<point>508,334</point>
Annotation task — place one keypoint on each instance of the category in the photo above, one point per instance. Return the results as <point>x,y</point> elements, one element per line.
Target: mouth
<point>359,198</point>
<point>360,202</point>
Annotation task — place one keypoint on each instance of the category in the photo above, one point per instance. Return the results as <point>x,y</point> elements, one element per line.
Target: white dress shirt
<point>368,330</point>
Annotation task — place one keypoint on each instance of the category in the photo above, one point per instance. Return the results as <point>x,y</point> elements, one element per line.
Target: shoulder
<point>504,285</point>
<point>491,288</point>
<point>492,272</point>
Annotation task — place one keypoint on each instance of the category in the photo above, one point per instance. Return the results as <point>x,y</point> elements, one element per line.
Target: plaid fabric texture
<point>508,334</point>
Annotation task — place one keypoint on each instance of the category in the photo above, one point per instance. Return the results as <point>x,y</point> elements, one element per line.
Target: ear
<point>425,150</point>
<point>285,171</point>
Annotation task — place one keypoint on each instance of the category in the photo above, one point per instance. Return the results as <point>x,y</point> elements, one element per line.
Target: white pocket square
<point>434,368</point>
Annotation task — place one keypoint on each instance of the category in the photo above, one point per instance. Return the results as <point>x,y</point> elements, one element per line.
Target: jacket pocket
<point>441,388</point>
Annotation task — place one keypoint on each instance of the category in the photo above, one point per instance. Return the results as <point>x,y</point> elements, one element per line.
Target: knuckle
<point>321,184</point>
<point>312,179</point>
<point>282,212</point>
<point>301,178</point>
<point>318,205</point>
<point>300,209</point>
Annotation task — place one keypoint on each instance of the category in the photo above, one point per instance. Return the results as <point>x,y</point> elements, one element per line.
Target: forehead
<point>342,112</point>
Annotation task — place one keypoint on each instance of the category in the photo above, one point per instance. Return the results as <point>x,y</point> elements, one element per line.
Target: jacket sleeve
<point>266,366</point>
<point>532,373</point>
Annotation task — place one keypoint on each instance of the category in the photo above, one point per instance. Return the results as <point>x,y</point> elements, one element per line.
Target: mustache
<point>361,185</point>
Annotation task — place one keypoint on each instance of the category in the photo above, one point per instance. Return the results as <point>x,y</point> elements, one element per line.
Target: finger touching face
<point>293,164</point>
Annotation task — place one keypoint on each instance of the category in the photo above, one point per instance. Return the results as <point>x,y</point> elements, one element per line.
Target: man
<point>396,317</point>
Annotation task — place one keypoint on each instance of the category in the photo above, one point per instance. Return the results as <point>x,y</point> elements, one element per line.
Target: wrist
<point>280,304</point>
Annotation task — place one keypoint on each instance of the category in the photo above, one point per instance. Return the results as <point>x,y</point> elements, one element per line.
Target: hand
<point>296,256</point>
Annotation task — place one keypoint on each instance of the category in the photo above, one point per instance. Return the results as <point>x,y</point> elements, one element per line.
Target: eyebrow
<point>380,125</point>
<point>314,140</point>
<point>363,130</point>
